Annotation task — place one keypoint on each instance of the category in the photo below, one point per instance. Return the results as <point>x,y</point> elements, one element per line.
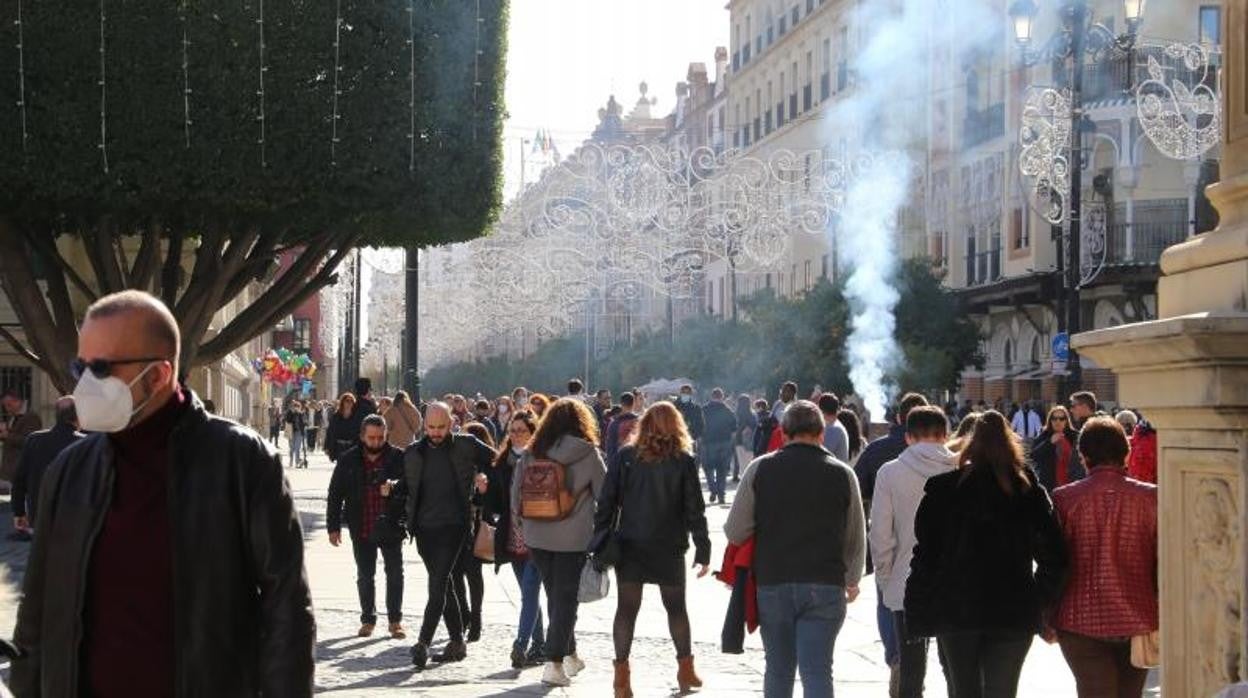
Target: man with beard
<point>360,488</point>
<point>439,475</point>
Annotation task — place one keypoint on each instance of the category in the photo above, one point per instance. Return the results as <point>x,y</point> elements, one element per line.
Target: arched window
<point>1009,354</point>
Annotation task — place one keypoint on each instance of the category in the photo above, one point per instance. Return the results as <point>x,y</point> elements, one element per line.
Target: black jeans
<point>366,572</point>
<point>440,548</point>
<point>984,664</point>
<point>561,575</point>
<point>469,597</point>
<point>913,660</point>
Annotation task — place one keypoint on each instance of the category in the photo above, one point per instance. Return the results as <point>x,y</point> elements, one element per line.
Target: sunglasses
<point>103,368</point>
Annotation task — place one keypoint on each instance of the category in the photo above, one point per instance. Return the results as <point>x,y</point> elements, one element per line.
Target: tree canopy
<point>181,146</point>
<point>776,339</point>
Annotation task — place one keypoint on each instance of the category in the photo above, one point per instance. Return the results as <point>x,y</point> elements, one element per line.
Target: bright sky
<point>565,57</point>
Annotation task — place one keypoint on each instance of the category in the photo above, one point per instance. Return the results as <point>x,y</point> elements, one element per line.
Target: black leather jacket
<point>243,622</point>
<point>661,504</point>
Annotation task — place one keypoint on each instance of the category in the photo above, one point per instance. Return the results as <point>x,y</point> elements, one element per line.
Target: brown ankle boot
<point>623,681</point>
<point>686,677</point>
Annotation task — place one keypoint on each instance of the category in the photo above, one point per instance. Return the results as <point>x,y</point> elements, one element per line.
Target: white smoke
<point>885,114</point>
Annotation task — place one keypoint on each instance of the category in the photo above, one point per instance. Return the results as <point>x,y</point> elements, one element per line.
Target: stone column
<point>1188,373</point>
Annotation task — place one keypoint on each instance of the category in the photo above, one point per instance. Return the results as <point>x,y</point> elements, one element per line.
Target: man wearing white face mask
<point>171,555</point>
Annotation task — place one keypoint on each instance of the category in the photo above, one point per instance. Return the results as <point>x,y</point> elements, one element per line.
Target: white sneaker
<point>555,676</point>
<point>573,665</point>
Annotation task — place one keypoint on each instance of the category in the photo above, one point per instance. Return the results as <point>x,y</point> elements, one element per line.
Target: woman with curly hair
<point>653,487</point>
<point>539,404</point>
<point>567,435</point>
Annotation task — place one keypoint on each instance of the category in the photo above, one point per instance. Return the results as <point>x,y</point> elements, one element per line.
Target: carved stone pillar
<point>1188,373</point>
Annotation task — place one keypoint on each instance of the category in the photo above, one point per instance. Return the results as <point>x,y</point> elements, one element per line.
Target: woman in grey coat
<point>567,434</point>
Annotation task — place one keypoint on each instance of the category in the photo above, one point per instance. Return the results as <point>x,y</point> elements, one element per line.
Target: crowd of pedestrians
<point>983,528</point>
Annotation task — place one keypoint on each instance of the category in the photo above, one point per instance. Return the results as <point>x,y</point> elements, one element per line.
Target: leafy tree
<point>180,147</point>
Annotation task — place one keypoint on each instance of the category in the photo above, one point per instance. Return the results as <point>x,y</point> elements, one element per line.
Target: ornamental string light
<point>186,76</point>
<point>263,68</point>
<point>1182,117</point>
<point>333,140</point>
<point>411,77</point>
<point>103,95</point>
<point>21,74</point>
<point>614,233</point>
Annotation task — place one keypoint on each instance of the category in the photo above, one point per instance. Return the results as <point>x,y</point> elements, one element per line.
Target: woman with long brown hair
<point>509,544</point>
<point>338,436</point>
<point>989,557</point>
<point>652,486</point>
<point>567,436</point>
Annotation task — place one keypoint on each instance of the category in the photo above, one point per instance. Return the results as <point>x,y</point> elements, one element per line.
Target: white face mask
<point>106,405</point>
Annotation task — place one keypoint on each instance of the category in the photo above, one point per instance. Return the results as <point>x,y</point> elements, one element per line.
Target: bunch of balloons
<point>283,367</point>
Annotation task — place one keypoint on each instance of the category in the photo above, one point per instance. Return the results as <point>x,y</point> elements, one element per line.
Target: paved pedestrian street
<point>378,666</point>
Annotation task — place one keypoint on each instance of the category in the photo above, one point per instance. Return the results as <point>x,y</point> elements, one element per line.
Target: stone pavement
<point>378,666</point>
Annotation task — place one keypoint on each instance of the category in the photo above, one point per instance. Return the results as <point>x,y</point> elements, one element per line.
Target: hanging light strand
<point>103,95</point>
<point>333,140</point>
<point>263,69</point>
<point>411,76</point>
<point>476,73</point>
<point>21,74</point>
<point>186,78</point>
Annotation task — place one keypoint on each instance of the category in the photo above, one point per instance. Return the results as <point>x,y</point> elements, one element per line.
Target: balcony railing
<point>983,125</point>
<point>1116,77</point>
<point>1142,243</point>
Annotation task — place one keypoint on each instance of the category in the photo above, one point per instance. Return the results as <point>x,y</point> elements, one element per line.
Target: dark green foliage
<point>366,186</point>
<point>777,339</point>
<point>305,133</point>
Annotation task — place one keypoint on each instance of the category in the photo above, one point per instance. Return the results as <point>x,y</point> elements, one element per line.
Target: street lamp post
<point>1078,36</point>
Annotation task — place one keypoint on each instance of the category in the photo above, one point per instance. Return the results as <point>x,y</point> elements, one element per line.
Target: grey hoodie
<point>584,470</point>
<point>898,491</point>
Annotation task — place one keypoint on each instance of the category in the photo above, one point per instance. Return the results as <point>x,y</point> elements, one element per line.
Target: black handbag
<point>606,547</point>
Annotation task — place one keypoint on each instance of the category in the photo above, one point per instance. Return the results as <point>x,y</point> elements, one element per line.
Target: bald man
<point>169,556</point>
<point>441,471</point>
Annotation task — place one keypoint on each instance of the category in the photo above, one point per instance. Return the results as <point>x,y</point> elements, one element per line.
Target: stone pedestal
<point>1188,373</point>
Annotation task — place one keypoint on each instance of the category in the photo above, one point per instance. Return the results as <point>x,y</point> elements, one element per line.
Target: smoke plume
<point>881,127</point>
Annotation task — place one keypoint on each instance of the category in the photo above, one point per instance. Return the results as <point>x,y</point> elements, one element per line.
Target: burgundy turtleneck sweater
<point>129,645</point>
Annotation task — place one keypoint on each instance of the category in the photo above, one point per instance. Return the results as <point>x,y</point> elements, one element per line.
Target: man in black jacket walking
<point>363,482</point>
<point>720,425</point>
<point>439,475</point>
<point>42,447</point>
<point>169,560</point>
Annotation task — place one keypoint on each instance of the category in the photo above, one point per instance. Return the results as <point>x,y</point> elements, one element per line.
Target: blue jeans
<point>888,630</point>
<point>297,441</point>
<point>716,459</point>
<point>530,633</point>
<point>800,623</point>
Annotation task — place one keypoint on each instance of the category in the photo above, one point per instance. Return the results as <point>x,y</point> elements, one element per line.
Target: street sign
<point>1061,347</point>
<point>1059,368</point>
